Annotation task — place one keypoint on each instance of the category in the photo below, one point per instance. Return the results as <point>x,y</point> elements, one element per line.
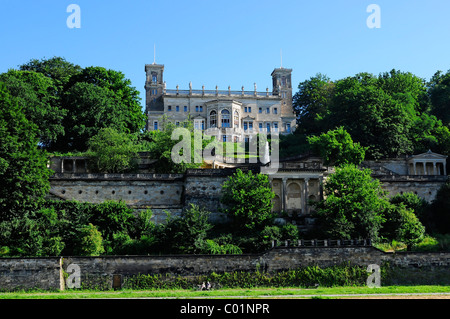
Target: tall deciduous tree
<point>248,200</point>
<point>373,117</point>
<point>353,206</point>
<point>311,103</point>
<point>23,167</point>
<point>336,147</point>
<point>36,95</point>
<point>113,152</point>
<point>440,96</point>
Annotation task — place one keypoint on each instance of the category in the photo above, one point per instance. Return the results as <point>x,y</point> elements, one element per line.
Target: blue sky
<point>234,43</point>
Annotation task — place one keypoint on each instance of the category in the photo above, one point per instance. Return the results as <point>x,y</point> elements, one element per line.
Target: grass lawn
<point>229,293</point>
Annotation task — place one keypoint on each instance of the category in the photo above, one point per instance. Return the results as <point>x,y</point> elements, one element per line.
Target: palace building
<point>234,113</point>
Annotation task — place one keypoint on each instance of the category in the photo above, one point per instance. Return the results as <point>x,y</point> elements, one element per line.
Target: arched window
<point>213,119</point>
<point>236,119</point>
<point>225,118</point>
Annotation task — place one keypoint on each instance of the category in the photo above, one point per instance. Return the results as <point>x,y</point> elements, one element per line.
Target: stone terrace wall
<point>46,273</point>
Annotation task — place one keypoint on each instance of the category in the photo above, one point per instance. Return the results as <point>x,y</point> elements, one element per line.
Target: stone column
<point>284,195</point>
<point>321,188</point>
<point>305,196</point>
<point>434,168</point>
<point>415,169</point>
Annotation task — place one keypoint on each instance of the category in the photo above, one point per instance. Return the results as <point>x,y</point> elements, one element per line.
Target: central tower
<point>154,89</point>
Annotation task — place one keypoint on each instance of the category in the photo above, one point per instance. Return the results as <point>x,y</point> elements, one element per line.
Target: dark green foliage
<point>418,205</point>
<point>113,152</point>
<point>440,96</point>
<point>440,210</point>
<point>293,144</point>
<point>354,205</point>
<point>184,234</point>
<point>35,95</point>
<point>248,199</point>
<point>71,104</point>
<point>89,241</point>
<point>311,103</point>
<point>392,114</point>
<point>402,225</point>
<point>336,147</point>
<point>23,167</point>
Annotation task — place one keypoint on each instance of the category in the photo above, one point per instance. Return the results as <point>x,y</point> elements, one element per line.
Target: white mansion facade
<point>234,113</point>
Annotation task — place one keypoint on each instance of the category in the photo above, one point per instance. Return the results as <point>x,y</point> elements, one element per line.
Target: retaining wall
<point>100,272</point>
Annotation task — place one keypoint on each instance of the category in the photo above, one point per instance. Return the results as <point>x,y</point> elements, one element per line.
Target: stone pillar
<point>434,168</point>
<point>415,169</point>
<point>321,188</point>
<point>445,169</point>
<point>305,197</point>
<point>284,195</point>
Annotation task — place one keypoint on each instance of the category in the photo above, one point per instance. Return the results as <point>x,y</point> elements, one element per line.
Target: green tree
<point>353,206</point>
<point>336,147</point>
<point>419,206</point>
<point>248,200</point>
<point>111,217</point>
<point>112,151</point>
<point>58,69</point>
<point>186,233</point>
<point>439,93</point>
<point>440,210</point>
<point>90,241</point>
<point>36,96</point>
<point>311,103</point>
<point>402,224</point>
<point>161,143</point>
<point>24,175</point>
<point>377,119</point>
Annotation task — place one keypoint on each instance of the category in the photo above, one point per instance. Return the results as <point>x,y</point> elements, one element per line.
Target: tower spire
<point>281,58</point>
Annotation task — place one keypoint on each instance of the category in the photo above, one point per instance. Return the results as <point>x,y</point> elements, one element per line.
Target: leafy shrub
<point>339,275</point>
<point>90,241</point>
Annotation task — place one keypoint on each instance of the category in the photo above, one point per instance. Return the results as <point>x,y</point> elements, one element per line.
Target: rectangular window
<point>268,127</point>
<point>249,109</point>
<point>185,108</point>
<point>169,108</point>
<point>177,108</point>
<point>245,109</point>
<point>260,127</point>
<point>196,108</point>
<point>245,126</point>
<point>154,77</point>
<point>154,92</point>
<point>201,108</point>
<point>250,126</point>
<point>288,127</point>
<point>275,110</point>
<point>275,127</point>
<point>260,110</point>
<point>155,125</point>
<point>177,123</point>
<point>268,110</point>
